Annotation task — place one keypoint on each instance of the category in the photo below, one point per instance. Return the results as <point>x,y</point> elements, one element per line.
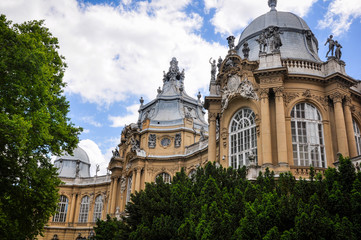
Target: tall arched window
<point>356,130</point>
<point>60,216</point>
<point>242,138</point>
<point>84,210</point>
<point>129,187</point>
<point>164,176</point>
<point>307,136</point>
<point>98,207</point>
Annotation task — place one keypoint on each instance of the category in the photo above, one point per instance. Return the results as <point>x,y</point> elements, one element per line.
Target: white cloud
<point>114,52</point>
<point>95,157</point>
<point>233,15</point>
<point>86,131</point>
<point>90,120</point>
<point>131,117</point>
<point>340,15</point>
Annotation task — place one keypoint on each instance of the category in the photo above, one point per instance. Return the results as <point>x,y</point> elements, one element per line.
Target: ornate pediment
<point>237,87</point>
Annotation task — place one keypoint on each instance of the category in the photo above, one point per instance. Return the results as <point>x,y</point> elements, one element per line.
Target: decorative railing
<point>300,171</point>
<point>196,147</point>
<point>301,64</point>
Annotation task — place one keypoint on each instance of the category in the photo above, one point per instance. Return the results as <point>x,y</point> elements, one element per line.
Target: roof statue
<point>331,45</point>
<point>230,40</point>
<point>338,51</point>
<point>213,69</point>
<point>272,4</point>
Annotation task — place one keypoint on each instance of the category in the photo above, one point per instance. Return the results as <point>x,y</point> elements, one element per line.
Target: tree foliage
<point>219,203</point>
<point>33,123</point>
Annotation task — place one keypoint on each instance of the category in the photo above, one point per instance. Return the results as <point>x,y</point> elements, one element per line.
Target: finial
<point>272,4</point>
<point>199,95</point>
<point>141,100</point>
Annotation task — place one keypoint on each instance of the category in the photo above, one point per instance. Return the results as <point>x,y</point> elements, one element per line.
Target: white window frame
<point>63,203</point>
<point>84,209</point>
<point>357,133</point>
<point>242,138</point>
<point>165,176</point>
<point>98,208</point>
<point>308,142</point>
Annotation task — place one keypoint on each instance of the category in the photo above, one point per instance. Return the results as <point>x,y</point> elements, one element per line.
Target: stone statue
<point>338,52</point>
<point>135,144</point>
<point>331,45</point>
<point>77,169</point>
<point>245,50</point>
<point>177,140</point>
<point>203,137</point>
<point>276,42</point>
<point>213,69</point>
<point>97,169</point>
<point>115,153</point>
<point>219,63</point>
<point>152,140</point>
<point>230,40</point>
<point>117,213</point>
<point>262,42</point>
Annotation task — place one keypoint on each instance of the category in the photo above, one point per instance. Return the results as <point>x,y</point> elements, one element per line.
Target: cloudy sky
<point>116,50</point>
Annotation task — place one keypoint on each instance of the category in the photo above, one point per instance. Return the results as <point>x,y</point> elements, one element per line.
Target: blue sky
<point>116,51</point>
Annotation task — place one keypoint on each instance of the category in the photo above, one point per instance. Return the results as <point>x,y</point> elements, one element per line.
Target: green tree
<point>219,203</point>
<point>33,124</point>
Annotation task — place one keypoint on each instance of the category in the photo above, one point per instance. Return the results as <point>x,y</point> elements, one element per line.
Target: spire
<point>272,4</point>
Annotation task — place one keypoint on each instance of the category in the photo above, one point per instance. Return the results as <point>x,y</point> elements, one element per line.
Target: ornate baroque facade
<point>272,103</point>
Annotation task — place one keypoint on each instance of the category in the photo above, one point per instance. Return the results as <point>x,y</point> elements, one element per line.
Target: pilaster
<point>349,128</point>
<point>340,123</point>
<point>266,127</point>
<point>212,136</point>
<point>280,126</point>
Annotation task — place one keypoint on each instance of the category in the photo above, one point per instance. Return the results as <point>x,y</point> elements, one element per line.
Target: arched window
<point>164,176</point>
<point>356,130</point>
<point>84,210</point>
<point>192,173</point>
<point>129,187</point>
<point>98,207</point>
<point>242,138</point>
<point>60,216</point>
<point>307,136</point>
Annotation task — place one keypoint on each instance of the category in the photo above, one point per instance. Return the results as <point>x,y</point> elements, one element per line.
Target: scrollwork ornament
<point>212,117</point>
<point>336,97</point>
<point>278,91</point>
<point>288,97</point>
<point>263,93</point>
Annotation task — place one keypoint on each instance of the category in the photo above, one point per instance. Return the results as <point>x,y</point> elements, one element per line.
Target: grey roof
<point>67,164</point>
<point>172,103</point>
<point>298,41</point>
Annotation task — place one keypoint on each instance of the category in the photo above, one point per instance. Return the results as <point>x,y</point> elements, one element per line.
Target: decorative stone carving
<point>213,69</point>
<point>288,97</point>
<point>263,93</point>
<point>152,141</point>
<point>115,153</point>
<point>173,73</point>
<point>178,140</point>
<point>272,3</point>
<point>224,136</point>
<point>336,97</point>
<point>245,50</point>
<point>278,91</point>
<point>165,142</point>
<point>212,116</point>
<point>323,100</point>
<point>134,144</point>
<point>331,45</point>
<point>307,93</point>
<point>270,40</point>
<point>122,184</point>
<point>230,40</point>
<point>244,89</point>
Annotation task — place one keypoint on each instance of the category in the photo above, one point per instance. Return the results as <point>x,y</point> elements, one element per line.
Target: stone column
<point>114,195</point>
<point>280,126</point>
<point>137,181</point>
<point>340,124</point>
<point>265,127</point>
<point>133,180</point>
<point>70,216</point>
<point>212,137</point>
<point>349,128</point>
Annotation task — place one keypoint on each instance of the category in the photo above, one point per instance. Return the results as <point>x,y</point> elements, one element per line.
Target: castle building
<point>272,103</point>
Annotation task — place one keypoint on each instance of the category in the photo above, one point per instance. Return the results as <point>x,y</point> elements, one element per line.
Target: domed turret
<point>72,166</point>
<point>296,39</point>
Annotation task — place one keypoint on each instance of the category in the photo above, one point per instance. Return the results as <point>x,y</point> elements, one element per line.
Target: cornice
<point>209,99</point>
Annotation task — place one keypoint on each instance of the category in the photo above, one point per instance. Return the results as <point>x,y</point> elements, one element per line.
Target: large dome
<point>298,41</point>
<point>75,165</point>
